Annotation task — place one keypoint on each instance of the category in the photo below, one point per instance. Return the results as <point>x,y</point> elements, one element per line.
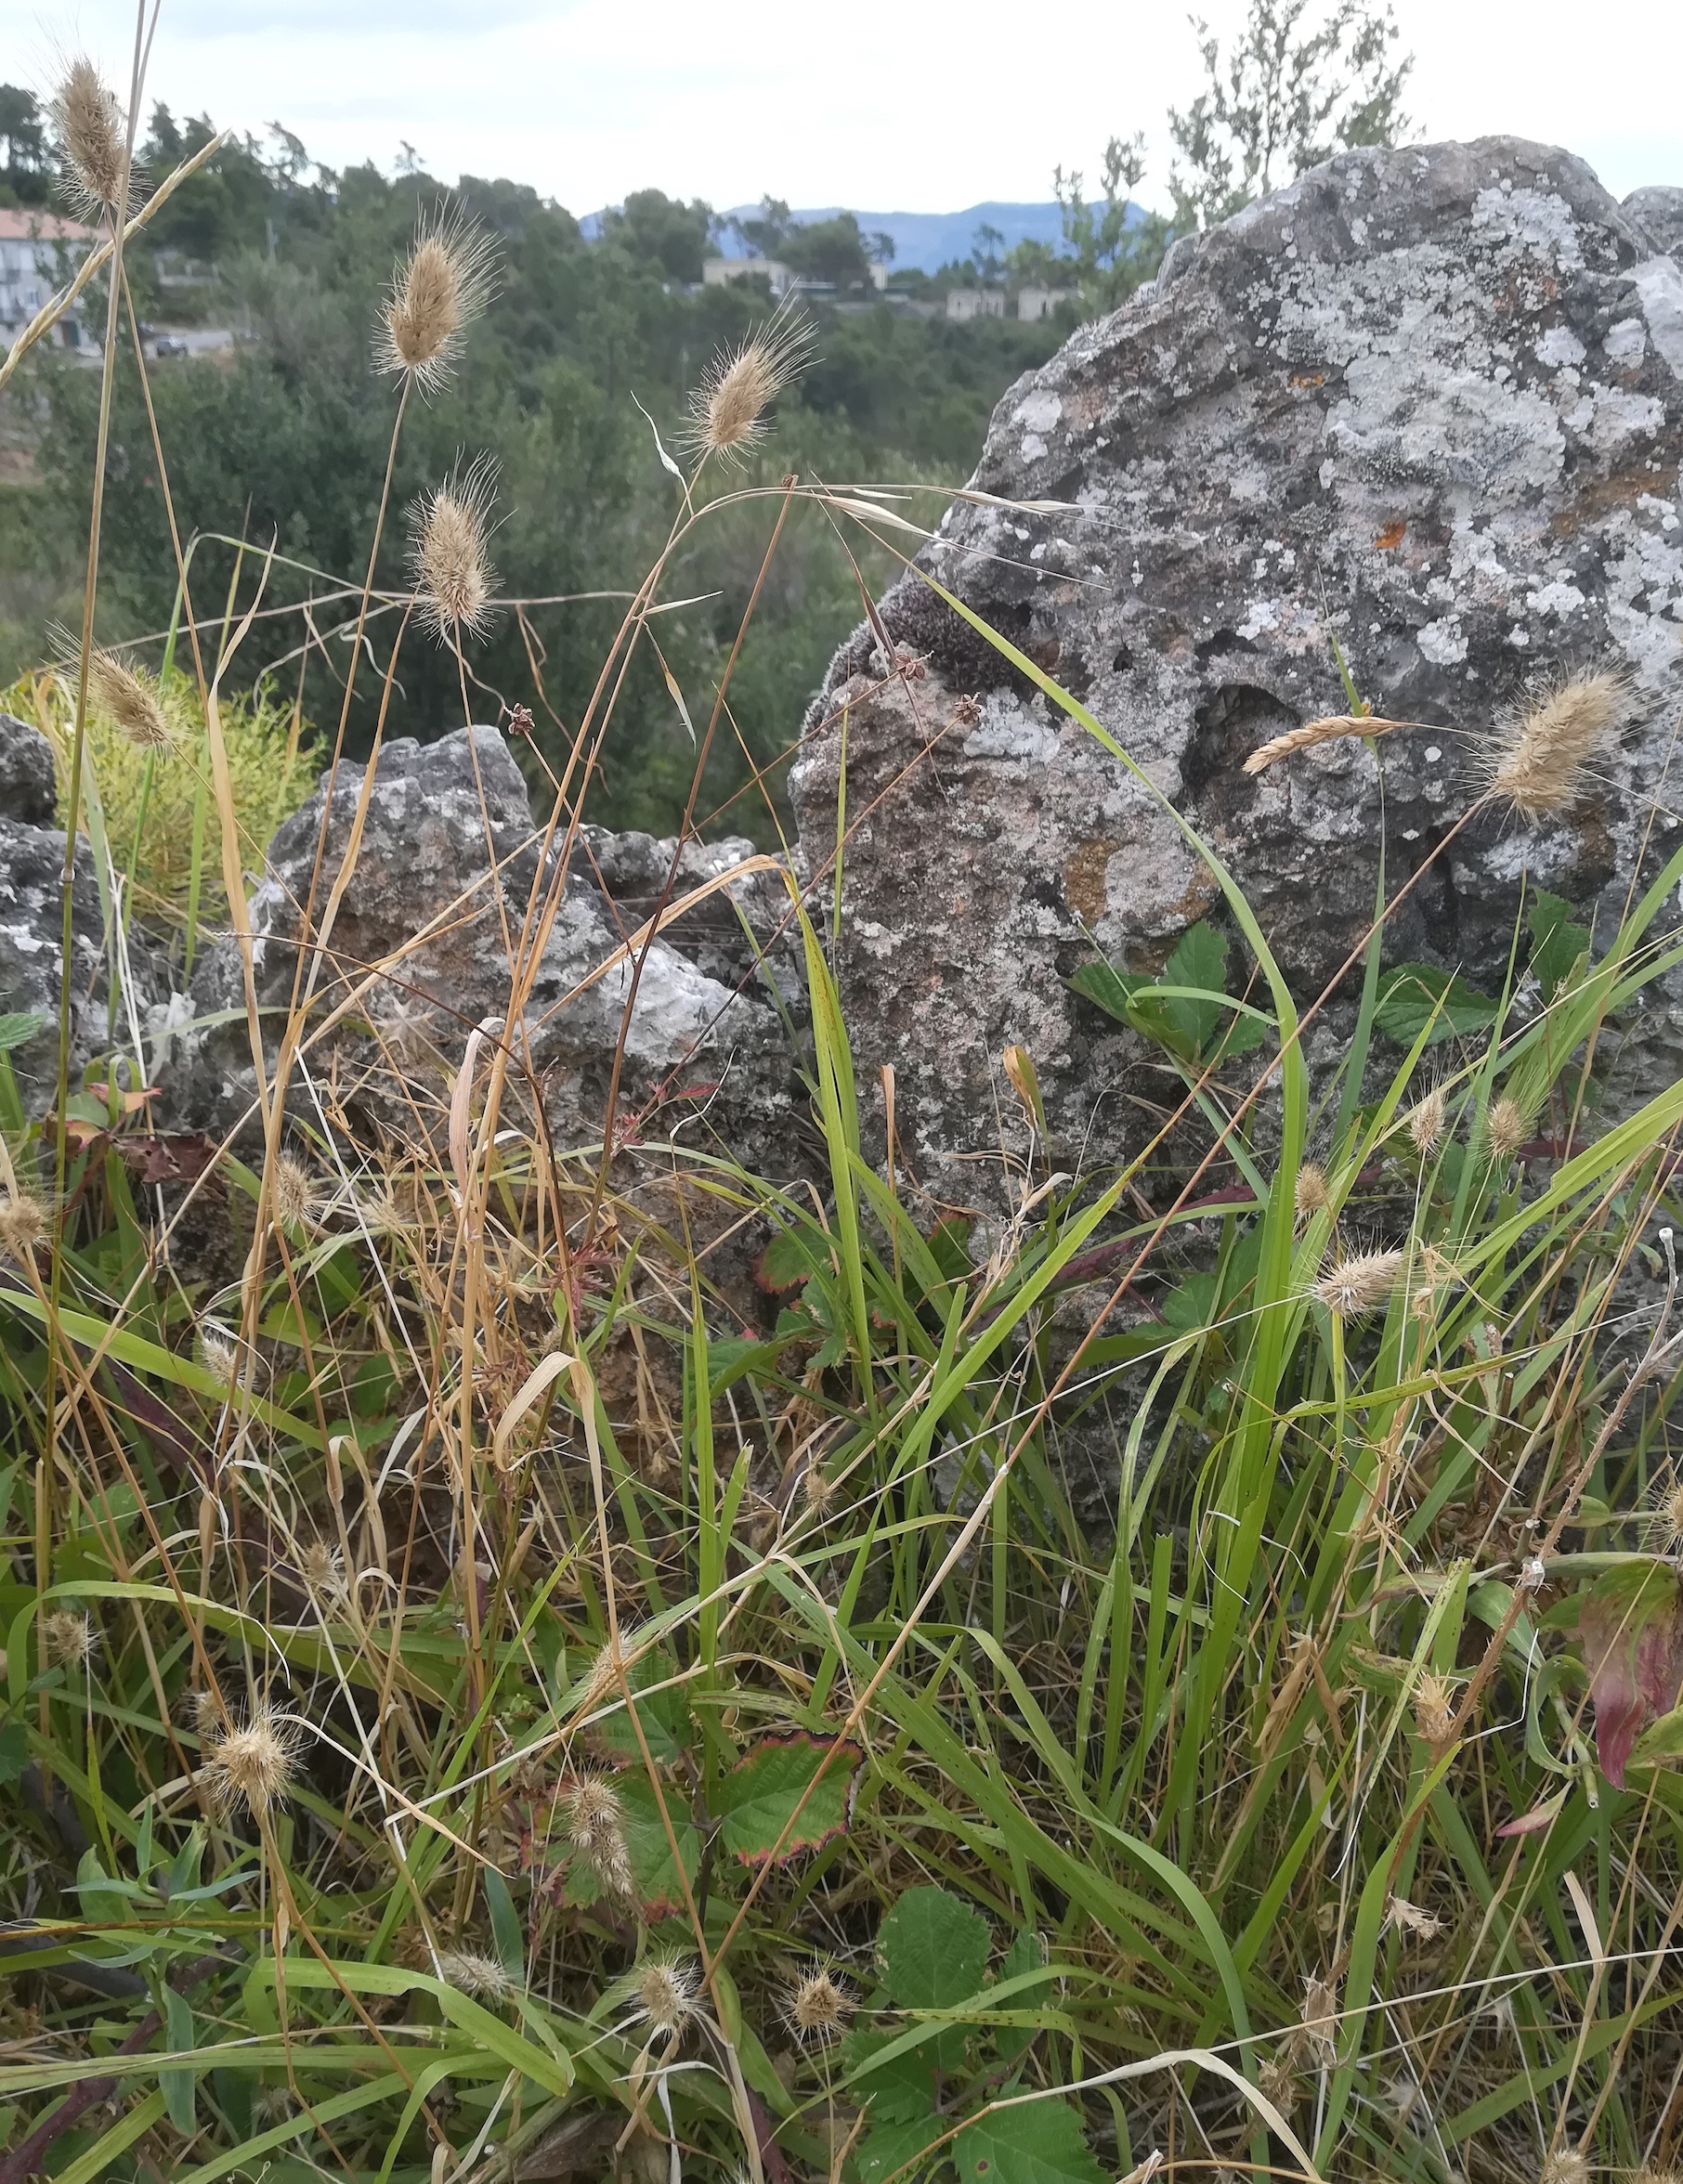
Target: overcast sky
<point>887,105</point>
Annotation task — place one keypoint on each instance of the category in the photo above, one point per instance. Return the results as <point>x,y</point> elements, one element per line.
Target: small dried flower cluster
<point>595,1823</point>
<point>727,410</point>
<point>454,579</point>
<point>92,133</point>
<point>23,1223</point>
<point>435,295</point>
<point>252,1764</point>
<point>67,1639</point>
<point>665,1989</point>
<point>1411,1920</point>
<point>1358,1282</point>
<point>818,2005</point>
<point>472,1973</point>
<point>1538,765</point>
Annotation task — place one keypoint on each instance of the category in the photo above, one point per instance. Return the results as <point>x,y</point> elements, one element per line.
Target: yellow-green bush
<point>167,794</point>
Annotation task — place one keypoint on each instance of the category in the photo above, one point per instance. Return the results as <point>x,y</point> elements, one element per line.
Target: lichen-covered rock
<point>1427,403</point>
<point>32,932</point>
<point>452,883</point>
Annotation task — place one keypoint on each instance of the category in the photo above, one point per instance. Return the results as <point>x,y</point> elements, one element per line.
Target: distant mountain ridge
<point>926,242</point>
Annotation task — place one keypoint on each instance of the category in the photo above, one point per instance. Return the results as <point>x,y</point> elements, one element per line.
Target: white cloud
<point>887,105</point>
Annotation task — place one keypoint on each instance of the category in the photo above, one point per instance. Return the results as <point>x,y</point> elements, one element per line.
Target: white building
<point>29,243</point>
<point>975,303</point>
<point>721,272</point>
<point>1040,302</point>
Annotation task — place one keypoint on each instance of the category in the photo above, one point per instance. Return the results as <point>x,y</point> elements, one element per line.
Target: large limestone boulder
<point>437,903</point>
<point>1427,403</point>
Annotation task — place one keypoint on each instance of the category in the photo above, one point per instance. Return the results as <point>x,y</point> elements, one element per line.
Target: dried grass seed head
<point>472,1973</point>
<point>1505,1129</point>
<point>322,1571</point>
<point>1564,2164</point>
<point>1426,1122</point>
<point>23,1223</point>
<point>819,2005</point>
<point>92,130</point>
<point>665,1989</point>
<point>1434,1711</point>
<point>436,292</point>
<point>1310,1195</point>
<point>454,580</point>
<point>1359,1282</point>
<point>219,1357</point>
<point>68,1639</point>
<point>727,410</point>
<point>252,1764</point>
<point>295,1191</point>
<point>130,698</point>
<point>1537,763</point>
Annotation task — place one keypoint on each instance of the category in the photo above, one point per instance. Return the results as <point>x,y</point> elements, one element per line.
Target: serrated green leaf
<point>1417,994</point>
<point>1038,2142</point>
<point>1025,1954</point>
<point>662,1710</point>
<point>18,1027</point>
<point>1109,988</point>
<point>935,1950</point>
<point>1199,960</point>
<point>762,1794</point>
<point>901,2090</point>
<point>1557,944</point>
<point>893,2149</point>
<point>648,1847</point>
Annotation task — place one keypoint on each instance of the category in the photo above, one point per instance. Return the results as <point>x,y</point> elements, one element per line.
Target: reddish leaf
<point>177,1156</point>
<point>1632,1625</point>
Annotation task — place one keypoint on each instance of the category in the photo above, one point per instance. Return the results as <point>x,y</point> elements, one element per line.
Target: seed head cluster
<point>1310,1195</point>
<point>1538,765</point>
<point>595,1823</point>
<point>1427,1121</point>
<point>293,1191</point>
<point>131,700</point>
<point>472,1973</point>
<point>1564,2164</point>
<point>727,410</point>
<point>68,1639</point>
<point>1359,1282</point>
<point>23,1223</point>
<point>251,1766</point>
<point>1434,1713</point>
<point>435,293</point>
<point>666,1993</point>
<point>1505,1129</point>
<point>818,2005</point>
<point>92,133</point>
<point>454,579</point>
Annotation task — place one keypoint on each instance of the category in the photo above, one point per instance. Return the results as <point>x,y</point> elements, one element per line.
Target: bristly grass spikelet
<point>68,1639</point>
<point>1310,1193</point>
<point>1426,1120</point>
<point>1434,1714</point>
<point>251,1766</point>
<point>219,1357</point>
<point>1564,2164</point>
<point>24,1226</point>
<point>1505,1129</point>
<point>594,1821</point>
<point>665,1989</point>
<point>294,1191</point>
<point>454,579</point>
<point>130,699</point>
<point>471,1973</point>
<point>1359,1282</point>
<point>1330,730</point>
<point>92,129</point>
<point>1536,762</point>
<point>818,2005</point>
<point>727,410</point>
<point>436,292</point>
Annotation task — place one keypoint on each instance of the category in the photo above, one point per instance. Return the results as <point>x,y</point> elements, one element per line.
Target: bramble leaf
<point>765,1790</point>
<point>1039,2143</point>
<point>1410,994</point>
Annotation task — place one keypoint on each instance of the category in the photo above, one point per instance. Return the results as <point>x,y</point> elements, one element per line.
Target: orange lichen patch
<point>1084,879</point>
<point>1392,534</point>
<point>1302,380</point>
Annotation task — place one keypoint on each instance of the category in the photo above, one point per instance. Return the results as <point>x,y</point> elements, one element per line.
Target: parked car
<point>170,344</point>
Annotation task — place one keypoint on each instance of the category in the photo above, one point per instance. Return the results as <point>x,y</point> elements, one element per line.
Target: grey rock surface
<point>32,930</point>
<point>28,785</point>
<point>448,864</point>
<point>1659,213</point>
<point>1426,402</point>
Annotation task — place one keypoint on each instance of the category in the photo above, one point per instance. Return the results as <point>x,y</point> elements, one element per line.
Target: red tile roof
<point>20,223</point>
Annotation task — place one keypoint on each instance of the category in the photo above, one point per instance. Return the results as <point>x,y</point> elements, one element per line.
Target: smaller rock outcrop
<point>453,887</point>
<point>32,927</point>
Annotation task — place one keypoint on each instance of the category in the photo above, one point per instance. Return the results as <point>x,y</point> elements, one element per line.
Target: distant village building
<point>975,303</point>
<point>1040,302</point>
<point>723,272</point>
<point>29,243</point>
